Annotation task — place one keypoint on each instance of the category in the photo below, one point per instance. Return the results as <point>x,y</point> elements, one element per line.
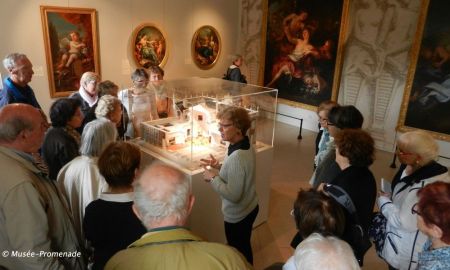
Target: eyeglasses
<point>403,153</point>
<point>225,125</point>
<point>141,81</point>
<point>323,120</point>
<point>415,210</point>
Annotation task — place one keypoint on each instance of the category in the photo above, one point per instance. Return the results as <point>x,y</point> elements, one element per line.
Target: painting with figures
<point>426,102</point>
<point>70,38</point>
<point>303,49</point>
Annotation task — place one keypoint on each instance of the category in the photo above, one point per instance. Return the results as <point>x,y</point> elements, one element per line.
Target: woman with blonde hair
<point>234,179</point>
<point>402,241</point>
<point>323,136</point>
<point>87,93</point>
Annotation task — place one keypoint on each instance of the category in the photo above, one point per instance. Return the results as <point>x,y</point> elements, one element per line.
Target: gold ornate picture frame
<point>70,40</point>
<point>302,49</point>
<point>426,100</point>
<point>206,46</point>
<point>149,46</point>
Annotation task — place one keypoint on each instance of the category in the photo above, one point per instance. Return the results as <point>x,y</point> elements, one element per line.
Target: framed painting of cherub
<point>70,38</point>
<point>149,46</point>
<point>303,49</point>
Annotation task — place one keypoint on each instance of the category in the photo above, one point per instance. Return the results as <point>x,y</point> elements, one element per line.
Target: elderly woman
<point>338,118</point>
<point>110,107</point>
<point>62,141</point>
<point>433,220</point>
<point>354,154</point>
<point>234,180</point>
<point>314,212</point>
<point>87,94</point>
<point>417,152</point>
<point>323,136</point>
<point>324,253</point>
<point>139,102</point>
<point>108,88</point>
<point>80,181</point>
<point>119,164</point>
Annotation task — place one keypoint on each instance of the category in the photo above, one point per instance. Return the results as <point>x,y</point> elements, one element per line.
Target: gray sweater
<point>236,185</point>
<point>327,169</point>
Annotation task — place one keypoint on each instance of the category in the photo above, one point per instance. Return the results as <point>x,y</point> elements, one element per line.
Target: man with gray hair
<point>36,231</point>
<point>163,202</point>
<point>324,253</point>
<point>15,87</point>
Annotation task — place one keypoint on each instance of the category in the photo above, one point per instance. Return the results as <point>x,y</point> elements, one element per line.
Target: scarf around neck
<point>243,144</point>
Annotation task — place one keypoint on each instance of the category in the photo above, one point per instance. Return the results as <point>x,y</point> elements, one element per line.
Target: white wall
<point>21,31</point>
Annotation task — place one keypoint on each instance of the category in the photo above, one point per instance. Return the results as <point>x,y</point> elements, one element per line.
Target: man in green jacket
<point>36,229</point>
<point>163,201</point>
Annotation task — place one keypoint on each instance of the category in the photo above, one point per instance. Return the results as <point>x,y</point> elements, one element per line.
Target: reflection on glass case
<point>193,132</point>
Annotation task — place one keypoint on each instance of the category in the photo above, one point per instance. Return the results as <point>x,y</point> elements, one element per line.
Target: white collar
<point>90,100</point>
<point>121,197</point>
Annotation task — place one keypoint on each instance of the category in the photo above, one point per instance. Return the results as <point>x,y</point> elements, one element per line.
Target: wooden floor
<point>291,170</point>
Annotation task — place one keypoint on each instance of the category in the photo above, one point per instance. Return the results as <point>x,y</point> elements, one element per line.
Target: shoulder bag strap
<point>342,197</point>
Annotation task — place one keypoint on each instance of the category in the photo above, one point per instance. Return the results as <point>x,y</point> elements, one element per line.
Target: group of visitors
<point>411,229</point>
<point>76,190</point>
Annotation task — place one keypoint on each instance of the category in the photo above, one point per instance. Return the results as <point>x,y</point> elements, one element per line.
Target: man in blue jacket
<point>15,87</point>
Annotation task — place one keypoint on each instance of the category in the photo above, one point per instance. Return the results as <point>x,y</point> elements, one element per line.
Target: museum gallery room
<point>239,134</point>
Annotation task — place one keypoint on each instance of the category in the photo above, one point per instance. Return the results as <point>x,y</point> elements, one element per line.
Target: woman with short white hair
<point>110,107</point>
<point>80,181</point>
<point>324,253</point>
<point>401,241</point>
<point>87,93</point>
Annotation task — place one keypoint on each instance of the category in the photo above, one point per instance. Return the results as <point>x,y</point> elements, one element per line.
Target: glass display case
<point>192,133</point>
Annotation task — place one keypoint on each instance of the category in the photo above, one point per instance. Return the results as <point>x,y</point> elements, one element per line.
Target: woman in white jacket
<point>416,151</point>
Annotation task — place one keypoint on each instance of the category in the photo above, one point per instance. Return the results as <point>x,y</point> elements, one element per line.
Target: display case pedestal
<point>206,219</point>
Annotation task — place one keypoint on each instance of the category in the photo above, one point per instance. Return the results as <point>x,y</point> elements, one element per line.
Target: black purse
<point>359,239</point>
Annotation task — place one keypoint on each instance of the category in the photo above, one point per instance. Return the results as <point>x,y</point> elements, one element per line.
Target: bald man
<point>163,202</point>
<point>34,220</point>
<point>15,87</point>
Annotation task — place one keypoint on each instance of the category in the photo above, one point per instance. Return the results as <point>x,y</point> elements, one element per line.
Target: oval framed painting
<point>149,46</point>
<point>206,46</point>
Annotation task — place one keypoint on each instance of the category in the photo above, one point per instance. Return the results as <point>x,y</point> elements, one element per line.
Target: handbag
<point>377,232</point>
<point>359,239</point>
